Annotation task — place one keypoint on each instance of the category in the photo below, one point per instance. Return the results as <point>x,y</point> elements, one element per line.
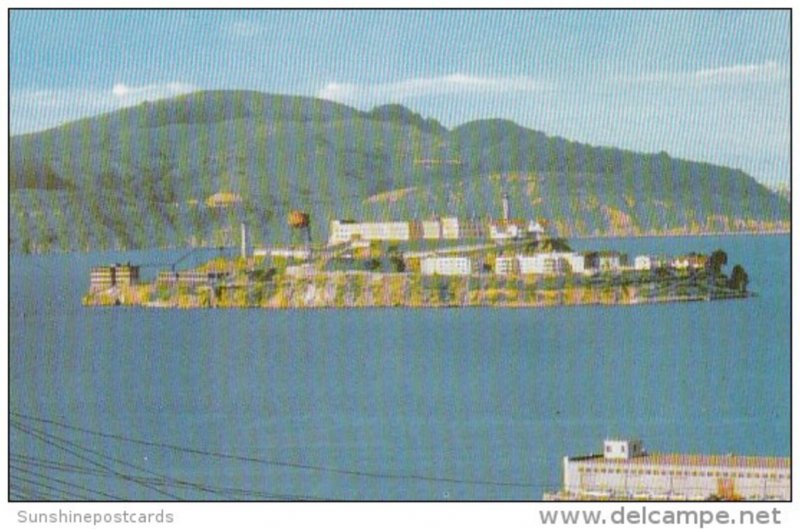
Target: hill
<point>140,177</point>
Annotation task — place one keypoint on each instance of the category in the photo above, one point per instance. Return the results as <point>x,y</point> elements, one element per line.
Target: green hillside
<point>140,177</point>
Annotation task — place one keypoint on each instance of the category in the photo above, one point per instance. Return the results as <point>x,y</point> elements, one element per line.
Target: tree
<point>739,279</point>
<point>716,261</point>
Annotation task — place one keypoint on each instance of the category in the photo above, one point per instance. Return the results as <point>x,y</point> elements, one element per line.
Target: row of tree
<point>737,281</point>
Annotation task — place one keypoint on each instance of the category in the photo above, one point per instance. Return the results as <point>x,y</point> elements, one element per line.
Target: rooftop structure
<point>626,471</point>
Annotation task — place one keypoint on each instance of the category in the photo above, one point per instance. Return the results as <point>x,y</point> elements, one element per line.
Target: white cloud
<point>33,110</point>
<point>738,73</point>
<point>427,86</point>
<point>741,72</point>
<point>151,91</point>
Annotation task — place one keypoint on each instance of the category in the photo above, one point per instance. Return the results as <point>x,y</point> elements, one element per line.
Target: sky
<point>702,85</point>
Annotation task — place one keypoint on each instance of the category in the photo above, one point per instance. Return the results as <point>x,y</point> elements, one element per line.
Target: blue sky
<point>702,85</point>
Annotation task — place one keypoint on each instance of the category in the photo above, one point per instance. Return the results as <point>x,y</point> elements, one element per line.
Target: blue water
<point>383,404</point>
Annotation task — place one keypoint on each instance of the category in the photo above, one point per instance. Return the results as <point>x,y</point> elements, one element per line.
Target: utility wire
<point>62,482</point>
<point>157,484</point>
<point>286,464</point>
<point>68,493</point>
<point>44,439</point>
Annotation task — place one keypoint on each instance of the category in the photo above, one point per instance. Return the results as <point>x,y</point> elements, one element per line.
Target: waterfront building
<point>625,471</point>
<point>103,277</point>
<point>446,266</point>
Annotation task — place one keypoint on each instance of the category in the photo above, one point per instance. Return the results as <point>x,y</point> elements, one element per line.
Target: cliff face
<point>140,177</point>
<point>398,290</point>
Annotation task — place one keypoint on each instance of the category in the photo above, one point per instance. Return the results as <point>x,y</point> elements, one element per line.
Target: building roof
<point>698,460</point>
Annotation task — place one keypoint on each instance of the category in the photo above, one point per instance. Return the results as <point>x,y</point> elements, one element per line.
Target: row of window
<point>687,473</point>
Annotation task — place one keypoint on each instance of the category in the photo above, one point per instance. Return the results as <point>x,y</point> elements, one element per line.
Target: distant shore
<point>681,235</point>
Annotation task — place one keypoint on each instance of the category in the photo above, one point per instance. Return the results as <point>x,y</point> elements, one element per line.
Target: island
<point>441,262</point>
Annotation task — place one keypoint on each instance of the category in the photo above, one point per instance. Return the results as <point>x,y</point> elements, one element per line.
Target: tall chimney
<point>244,240</point>
<point>506,208</point>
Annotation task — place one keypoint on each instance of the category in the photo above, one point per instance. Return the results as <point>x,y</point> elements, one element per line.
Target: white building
<point>691,261</point>
<point>506,265</point>
<point>345,231</point>
<point>449,227</point>
<point>504,230</point>
<point>515,229</point>
<point>551,263</point>
<point>536,231</point>
<point>643,263</point>
<point>577,263</point>
<point>625,471</point>
<point>446,266</point>
<point>611,261</point>
<point>431,229</point>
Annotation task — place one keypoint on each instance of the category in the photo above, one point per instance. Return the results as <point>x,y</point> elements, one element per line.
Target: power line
<point>44,438</point>
<point>68,493</point>
<point>159,482</point>
<point>286,464</point>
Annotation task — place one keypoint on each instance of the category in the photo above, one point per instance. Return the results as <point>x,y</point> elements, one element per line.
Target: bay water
<point>381,404</point>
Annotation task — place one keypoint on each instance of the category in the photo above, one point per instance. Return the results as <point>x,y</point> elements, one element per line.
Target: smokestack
<point>244,240</point>
<point>506,208</point>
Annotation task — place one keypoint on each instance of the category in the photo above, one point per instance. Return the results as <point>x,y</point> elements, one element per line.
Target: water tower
<point>300,221</point>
